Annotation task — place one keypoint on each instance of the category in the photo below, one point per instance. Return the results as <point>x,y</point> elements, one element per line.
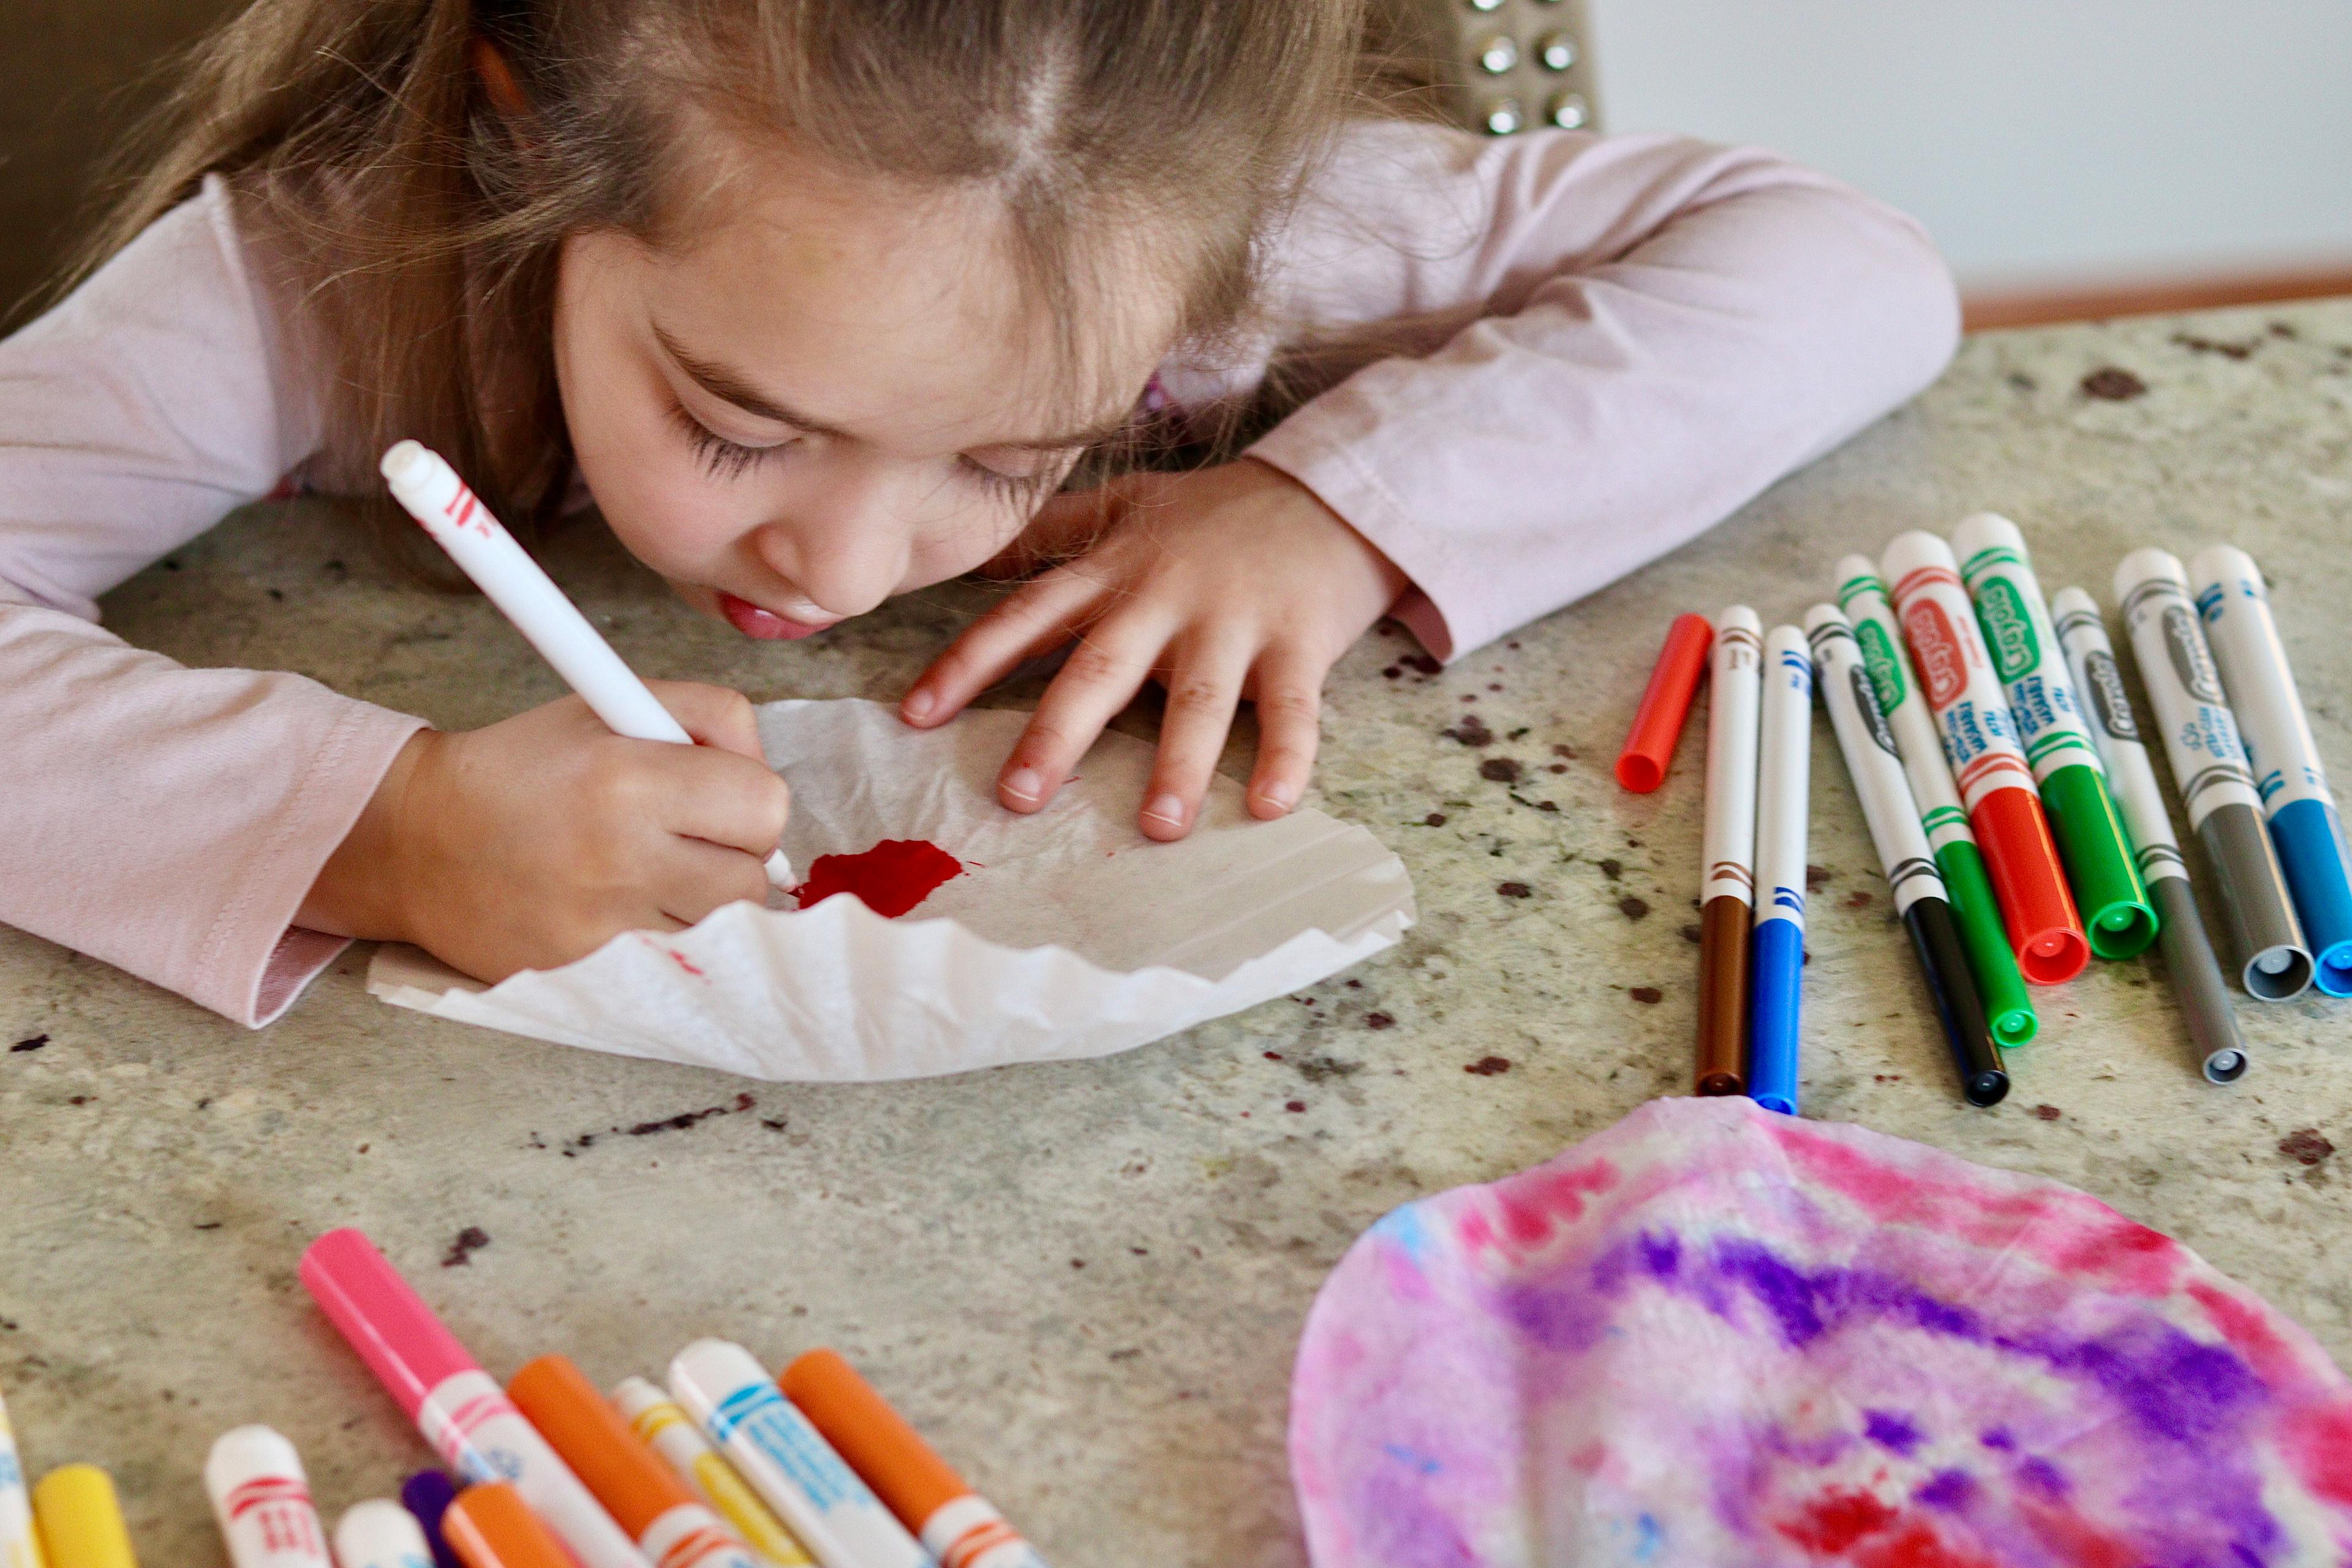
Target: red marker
<point>1979,739</point>
<point>1665,701</point>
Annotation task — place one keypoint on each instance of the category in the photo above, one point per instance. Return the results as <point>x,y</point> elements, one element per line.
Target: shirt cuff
<point>257,960</point>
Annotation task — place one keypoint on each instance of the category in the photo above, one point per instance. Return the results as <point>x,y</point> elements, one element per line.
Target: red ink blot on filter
<point>1834,1520</point>
<point>891,878</point>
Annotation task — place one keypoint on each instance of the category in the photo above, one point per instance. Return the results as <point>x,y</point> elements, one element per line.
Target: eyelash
<point>720,459</point>
<point>724,459</point>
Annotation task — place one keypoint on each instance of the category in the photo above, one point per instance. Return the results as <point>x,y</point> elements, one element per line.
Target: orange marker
<point>957,1525</point>
<point>642,1494</point>
<point>489,1526</point>
<point>1665,702</point>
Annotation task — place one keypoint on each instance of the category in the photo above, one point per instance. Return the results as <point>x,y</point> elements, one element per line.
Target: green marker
<point>2116,914</point>
<point>1864,598</point>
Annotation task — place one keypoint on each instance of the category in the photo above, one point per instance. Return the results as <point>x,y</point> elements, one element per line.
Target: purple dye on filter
<point>1948,1490</point>
<point>1890,1431</point>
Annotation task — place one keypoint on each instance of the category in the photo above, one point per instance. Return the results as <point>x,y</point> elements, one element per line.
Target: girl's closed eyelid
<point>720,458</point>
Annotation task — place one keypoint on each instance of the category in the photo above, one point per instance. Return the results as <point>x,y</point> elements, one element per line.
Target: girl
<point>818,300</point>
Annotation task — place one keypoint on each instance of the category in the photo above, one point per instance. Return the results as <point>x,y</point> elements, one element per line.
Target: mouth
<point>766,625</point>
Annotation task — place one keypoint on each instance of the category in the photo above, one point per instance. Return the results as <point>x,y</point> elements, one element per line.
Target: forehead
<point>908,317</point>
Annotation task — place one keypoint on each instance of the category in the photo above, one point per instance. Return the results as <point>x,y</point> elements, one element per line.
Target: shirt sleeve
<point>167,820</point>
<point>1597,348</point>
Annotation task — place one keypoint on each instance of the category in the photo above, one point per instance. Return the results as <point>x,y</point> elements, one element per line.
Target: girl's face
<point>834,393</point>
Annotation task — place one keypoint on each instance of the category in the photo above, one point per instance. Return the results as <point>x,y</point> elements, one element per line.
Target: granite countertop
<point>1085,1281</point>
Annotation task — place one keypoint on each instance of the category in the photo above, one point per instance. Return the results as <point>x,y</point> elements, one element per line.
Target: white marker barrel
<point>1980,739</point>
<point>262,1501</point>
<point>2209,768</point>
<point>1956,674</point>
<point>2187,954</point>
<point>836,1515</point>
<point>1871,758</point>
<point>2235,605</point>
<point>1879,638</point>
<point>380,1533</point>
<point>1728,841</point>
<point>20,1545</point>
<point>1784,766</point>
<point>429,490</point>
<point>2099,681</point>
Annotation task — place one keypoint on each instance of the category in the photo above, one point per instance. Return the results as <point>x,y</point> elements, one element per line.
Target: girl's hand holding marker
<point>533,841</point>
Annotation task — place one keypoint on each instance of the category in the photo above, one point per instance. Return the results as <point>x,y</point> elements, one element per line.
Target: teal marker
<point>2116,914</point>
<point>1864,598</point>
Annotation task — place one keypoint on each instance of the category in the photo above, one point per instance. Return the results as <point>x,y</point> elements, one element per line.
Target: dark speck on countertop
<point>1500,770</point>
<point>1512,890</point>
<point>2307,1146</point>
<point>1487,1067</point>
<point>1632,908</point>
<point>2113,385</point>
<point>470,1241</point>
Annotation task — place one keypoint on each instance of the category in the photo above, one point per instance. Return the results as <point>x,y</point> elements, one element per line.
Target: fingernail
<point>1281,795</point>
<point>1166,808</point>
<point>918,704</point>
<point>1023,783</point>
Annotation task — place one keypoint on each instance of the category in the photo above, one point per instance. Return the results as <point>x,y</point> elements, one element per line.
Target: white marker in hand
<point>424,484</point>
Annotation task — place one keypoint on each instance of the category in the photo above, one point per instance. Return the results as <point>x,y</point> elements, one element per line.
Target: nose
<point>845,559</point>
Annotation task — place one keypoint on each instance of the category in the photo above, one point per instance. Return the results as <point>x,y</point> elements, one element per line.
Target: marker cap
<point>1776,993</point>
<point>380,1533</point>
<point>489,1526</point>
<point>399,1337</point>
<point>2311,850</point>
<point>2197,982</point>
<point>427,1495</point>
<point>1649,748</point>
<point>241,1453</point>
<point>2009,1011</point>
<point>2044,931</point>
<point>81,1519</point>
<point>628,1477</point>
<point>880,1445</point>
<point>2116,916</point>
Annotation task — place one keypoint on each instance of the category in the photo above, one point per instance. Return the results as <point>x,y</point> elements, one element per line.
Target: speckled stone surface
<point>1085,1283</point>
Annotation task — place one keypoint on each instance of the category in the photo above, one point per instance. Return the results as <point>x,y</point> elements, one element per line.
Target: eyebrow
<point>728,386</point>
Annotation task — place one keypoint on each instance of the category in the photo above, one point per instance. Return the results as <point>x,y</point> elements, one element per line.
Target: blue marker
<point>2236,610</point>
<point>1777,972</point>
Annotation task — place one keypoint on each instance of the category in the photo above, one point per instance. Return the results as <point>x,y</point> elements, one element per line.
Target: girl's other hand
<point>1227,584</point>
<point>534,841</point>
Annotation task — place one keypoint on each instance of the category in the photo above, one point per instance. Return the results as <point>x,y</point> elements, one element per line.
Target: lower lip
<point>766,625</point>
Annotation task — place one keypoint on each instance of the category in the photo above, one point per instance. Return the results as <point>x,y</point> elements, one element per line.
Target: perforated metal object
<point>1498,66</point>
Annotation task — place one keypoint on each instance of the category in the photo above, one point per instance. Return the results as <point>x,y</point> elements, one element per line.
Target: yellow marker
<point>81,1524</point>
<point>659,1421</point>
<point>20,1546</point>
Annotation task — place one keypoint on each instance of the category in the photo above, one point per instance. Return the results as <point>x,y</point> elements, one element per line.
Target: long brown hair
<point>411,167</point>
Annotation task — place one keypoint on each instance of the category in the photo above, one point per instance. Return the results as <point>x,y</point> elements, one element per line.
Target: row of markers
<point>732,1469</point>
<point>2001,772</point>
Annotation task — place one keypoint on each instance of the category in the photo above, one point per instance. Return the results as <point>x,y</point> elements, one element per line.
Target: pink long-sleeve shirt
<point>1605,346</point>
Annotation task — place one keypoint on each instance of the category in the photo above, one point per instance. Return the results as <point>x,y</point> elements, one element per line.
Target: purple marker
<point>427,1494</point>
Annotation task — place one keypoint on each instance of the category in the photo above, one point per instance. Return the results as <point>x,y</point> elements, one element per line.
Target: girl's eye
<point>1019,487</point>
<point>719,458</point>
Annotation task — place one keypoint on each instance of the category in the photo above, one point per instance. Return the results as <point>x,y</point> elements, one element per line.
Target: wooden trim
<point>2028,308</point>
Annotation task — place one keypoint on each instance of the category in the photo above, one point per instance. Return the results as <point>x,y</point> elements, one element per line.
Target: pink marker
<point>459,1408</point>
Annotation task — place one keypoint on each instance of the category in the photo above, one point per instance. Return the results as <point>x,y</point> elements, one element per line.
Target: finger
<point>1103,675</point>
<point>1203,688</point>
<point>713,715</point>
<point>1289,696</point>
<point>695,878</point>
<point>1037,619</point>
<point>717,796</point>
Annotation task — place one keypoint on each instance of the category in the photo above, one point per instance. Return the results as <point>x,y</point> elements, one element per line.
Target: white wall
<point>2043,142</point>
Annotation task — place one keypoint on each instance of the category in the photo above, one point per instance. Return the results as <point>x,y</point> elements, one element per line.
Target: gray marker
<point>2209,764</point>
<point>2197,980</point>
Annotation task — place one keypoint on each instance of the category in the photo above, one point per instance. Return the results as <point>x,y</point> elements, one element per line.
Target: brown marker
<point>1728,858</point>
